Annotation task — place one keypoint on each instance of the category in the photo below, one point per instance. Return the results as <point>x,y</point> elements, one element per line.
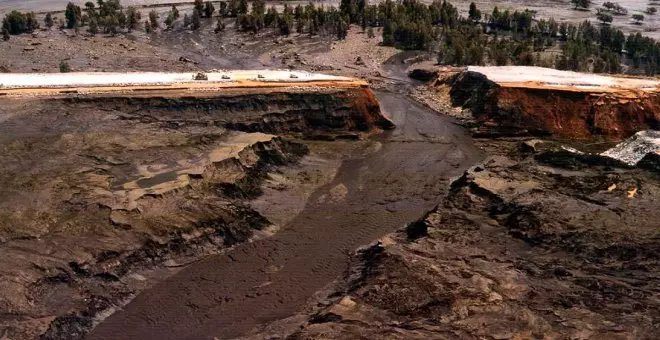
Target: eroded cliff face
<point>563,110</point>
<point>339,109</point>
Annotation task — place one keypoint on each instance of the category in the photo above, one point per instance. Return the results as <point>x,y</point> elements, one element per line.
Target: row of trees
<point>499,37</point>
<point>17,23</point>
<point>504,37</point>
<point>106,15</point>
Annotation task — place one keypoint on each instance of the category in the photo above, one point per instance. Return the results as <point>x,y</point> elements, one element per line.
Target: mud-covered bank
<point>227,295</point>
<point>522,246</point>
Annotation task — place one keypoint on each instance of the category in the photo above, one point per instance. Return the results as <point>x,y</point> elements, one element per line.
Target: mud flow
<point>259,282</point>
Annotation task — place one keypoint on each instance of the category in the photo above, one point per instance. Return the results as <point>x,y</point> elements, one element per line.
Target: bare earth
<point>107,225</point>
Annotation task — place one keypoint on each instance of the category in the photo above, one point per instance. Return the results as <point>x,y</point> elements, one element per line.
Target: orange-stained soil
<point>571,114</point>
<point>611,113</point>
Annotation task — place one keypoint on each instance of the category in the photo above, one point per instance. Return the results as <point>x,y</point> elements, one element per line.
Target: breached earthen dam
<point>108,174</point>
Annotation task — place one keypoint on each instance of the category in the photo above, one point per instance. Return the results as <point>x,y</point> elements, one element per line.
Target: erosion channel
<point>226,295</point>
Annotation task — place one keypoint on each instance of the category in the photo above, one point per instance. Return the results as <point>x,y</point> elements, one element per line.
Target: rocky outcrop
<point>529,100</point>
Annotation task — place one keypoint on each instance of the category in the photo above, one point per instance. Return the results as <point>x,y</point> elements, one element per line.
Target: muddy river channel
<point>227,295</point>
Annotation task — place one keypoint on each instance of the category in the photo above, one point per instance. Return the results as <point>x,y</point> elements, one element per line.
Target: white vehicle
<point>224,76</point>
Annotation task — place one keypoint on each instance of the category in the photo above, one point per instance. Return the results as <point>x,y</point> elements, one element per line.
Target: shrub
<point>64,67</point>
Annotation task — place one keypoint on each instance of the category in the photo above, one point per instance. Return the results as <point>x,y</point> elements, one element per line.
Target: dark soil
<point>517,250</point>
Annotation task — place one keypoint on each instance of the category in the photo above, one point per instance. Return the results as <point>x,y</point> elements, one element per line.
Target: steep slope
<point>532,100</point>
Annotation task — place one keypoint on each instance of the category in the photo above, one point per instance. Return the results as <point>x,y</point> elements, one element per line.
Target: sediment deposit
<point>530,100</point>
<point>521,247</point>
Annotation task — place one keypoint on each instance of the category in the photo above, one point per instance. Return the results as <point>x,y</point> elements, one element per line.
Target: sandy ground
<point>44,50</point>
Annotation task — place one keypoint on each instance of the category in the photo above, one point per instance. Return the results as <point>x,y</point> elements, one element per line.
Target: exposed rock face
<point>530,100</point>
<point>518,249</point>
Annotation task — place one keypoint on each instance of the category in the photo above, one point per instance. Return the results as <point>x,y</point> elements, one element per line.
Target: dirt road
<point>228,295</point>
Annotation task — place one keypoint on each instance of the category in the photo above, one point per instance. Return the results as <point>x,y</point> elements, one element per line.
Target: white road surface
<point>556,78</point>
<point>54,80</point>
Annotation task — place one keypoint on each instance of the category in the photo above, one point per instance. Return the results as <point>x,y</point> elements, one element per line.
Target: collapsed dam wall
<point>559,103</point>
<point>252,101</point>
<point>254,110</point>
<point>110,187</point>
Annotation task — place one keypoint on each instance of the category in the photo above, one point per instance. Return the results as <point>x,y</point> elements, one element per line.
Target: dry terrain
<point>237,212</point>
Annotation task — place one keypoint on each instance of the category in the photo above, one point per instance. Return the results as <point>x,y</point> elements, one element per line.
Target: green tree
<point>300,26</point>
<point>223,9</point>
<point>93,28</point>
<point>638,18</point>
<point>199,6</point>
<point>64,67</point>
<point>474,14</point>
<point>5,34</point>
<point>219,26</point>
<point>581,4</point>
<point>619,10</point>
<point>342,29</point>
<point>153,20</point>
<point>16,22</point>
<point>271,17</point>
<point>388,33</point>
<point>48,20</point>
<point>121,19</point>
<point>242,7</point>
<point>110,24</point>
<point>196,21</point>
<point>73,15</point>
<point>604,18</point>
<point>370,32</point>
<point>175,12</point>
<point>259,13</point>
<point>133,18</point>
<point>169,21</point>
<point>232,8</point>
<point>285,23</point>
<point>209,9</point>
